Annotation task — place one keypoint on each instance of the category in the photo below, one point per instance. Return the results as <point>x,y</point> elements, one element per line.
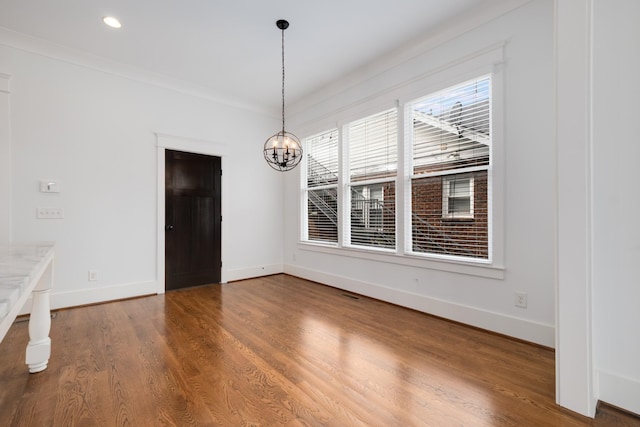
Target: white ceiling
<point>231,48</point>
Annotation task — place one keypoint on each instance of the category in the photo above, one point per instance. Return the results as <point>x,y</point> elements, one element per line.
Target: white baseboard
<point>619,391</point>
<point>512,326</point>
<point>496,322</point>
<point>95,295</point>
<point>85,296</point>
<point>250,272</point>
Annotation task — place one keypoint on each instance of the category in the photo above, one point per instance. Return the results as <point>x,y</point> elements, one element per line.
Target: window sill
<point>458,219</point>
<point>430,262</point>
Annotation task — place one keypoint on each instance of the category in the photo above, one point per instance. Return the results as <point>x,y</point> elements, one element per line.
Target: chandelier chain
<point>283,80</point>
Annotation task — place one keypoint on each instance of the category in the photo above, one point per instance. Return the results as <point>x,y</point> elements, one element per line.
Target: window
<point>457,197</point>
<point>451,141</point>
<point>322,187</point>
<point>446,142</point>
<point>373,164</point>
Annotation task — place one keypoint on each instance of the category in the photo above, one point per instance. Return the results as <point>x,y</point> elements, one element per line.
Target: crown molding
<point>47,49</point>
<point>474,18</point>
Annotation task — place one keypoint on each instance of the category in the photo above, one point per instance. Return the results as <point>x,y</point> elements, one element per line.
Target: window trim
<point>479,268</point>
<point>484,61</point>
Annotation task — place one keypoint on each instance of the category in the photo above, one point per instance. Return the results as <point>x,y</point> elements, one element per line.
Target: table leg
<point>39,347</point>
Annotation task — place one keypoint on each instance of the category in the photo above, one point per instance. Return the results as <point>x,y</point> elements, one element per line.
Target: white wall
<point>616,229</point>
<point>529,188</point>
<point>94,133</point>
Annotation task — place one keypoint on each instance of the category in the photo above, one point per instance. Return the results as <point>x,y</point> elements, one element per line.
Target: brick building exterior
<point>434,232</point>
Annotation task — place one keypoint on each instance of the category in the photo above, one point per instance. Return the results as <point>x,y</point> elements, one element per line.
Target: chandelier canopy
<point>283,151</point>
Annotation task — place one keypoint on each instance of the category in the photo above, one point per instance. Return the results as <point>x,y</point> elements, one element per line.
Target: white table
<point>27,269</point>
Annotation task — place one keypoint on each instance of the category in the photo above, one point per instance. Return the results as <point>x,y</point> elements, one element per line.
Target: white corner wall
<point>529,187</point>
<point>574,343</point>
<point>616,229</point>
<point>94,133</point>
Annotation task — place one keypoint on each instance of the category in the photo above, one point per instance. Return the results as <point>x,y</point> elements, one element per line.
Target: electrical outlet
<point>93,275</point>
<point>521,299</point>
<point>49,213</point>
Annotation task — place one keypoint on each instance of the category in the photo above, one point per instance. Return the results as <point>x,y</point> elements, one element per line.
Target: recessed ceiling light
<point>112,22</point>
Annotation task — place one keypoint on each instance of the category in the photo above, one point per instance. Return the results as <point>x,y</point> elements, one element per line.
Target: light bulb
<point>112,22</point>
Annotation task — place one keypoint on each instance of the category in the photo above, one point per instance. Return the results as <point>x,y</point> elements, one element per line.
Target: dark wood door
<point>192,219</point>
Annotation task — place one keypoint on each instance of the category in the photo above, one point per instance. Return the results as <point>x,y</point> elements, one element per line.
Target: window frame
<point>487,61</point>
<point>446,196</point>
<point>306,189</point>
<point>350,183</point>
<point>449,172</point>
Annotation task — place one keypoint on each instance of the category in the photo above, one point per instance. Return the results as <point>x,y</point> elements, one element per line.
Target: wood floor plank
<point>277,351</point>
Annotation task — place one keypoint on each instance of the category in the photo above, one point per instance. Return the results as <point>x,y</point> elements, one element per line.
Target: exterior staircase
<point>319,175</point>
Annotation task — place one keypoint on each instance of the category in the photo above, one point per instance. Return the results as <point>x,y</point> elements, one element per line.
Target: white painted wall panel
<point>95,133</point>
<point>529,184</point>
<point>616,235</point>
<point>574,350</point>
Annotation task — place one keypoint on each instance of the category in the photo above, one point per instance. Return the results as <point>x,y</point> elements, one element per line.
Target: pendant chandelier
<point>283,150</point>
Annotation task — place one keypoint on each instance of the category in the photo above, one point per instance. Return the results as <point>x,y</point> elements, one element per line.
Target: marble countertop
<point>19,264</point>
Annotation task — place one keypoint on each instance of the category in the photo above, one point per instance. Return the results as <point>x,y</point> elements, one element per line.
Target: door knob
<point>168,227</point>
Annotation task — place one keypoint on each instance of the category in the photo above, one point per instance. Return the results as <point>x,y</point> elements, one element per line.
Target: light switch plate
<point>47,186</point>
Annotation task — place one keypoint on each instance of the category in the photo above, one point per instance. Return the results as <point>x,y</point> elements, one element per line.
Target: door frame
<point>189,145</point>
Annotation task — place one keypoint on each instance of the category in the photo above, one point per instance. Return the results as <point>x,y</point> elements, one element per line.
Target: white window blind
<point>373,163</point>
<point>451,129</point>
<point>322,187</point>
<point>451,146</point>
<point>373,146</point>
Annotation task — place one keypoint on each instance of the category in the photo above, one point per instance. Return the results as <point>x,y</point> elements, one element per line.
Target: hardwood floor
<point>277,351</point>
